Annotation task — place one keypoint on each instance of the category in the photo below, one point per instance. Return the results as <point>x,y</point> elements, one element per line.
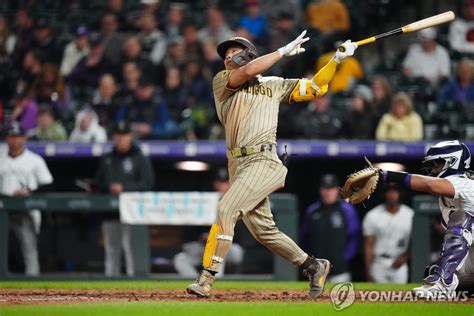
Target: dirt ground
<point>60,296</point>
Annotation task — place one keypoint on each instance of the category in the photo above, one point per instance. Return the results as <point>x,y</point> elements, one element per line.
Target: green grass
<point>229,309</point>
<point>168,285</point>
<point>203,307</point>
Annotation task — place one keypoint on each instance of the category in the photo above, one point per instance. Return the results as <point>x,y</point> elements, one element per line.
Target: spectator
<point>402,123</point>
<point>348,71</point>
<point>7,66</point>
<point>75,51</point>
<point>131,74</point>
<point>45,42</point>
<point>48,129</point>
<point>199,103</point>
<point>105,101</point>
<point>7,40</point>
<point>174,20</point>
<point>216,27</point>
<point>124,169</point>
<point>22,173</point>
<point>87,129</point>
<point>387,230</point>
<point>188,261</point>
<point>193,46</point>
<point>132,51</point>
<point>24,31</point>
<point>112,39</point>
<point>175,93</point>
<point>198,88</point>
<point>90,69</point>
<point>117,8</point>
<point>148,113</point>
<point>461,89</point>
<point>359,122</point>
<point>382,93</point>
<point>154,7</point>
<point>331,229</point>
<point>31,68</point>
<point>328,16</point>
<point>25,110</point>
<point>253,21</point>
<point>211,58</point>
<point>50,88</point>
<point>152,40</point>
<point>318,121</point>
<point>461,30</point>
<point>427,59</point>
<point>282,32</point>
<point>177,55</point>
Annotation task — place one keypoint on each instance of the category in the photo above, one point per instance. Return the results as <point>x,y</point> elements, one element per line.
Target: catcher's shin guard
<point>455,248</point>
<point>210,261</point>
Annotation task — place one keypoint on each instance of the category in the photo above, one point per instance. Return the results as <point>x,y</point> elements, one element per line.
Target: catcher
<point>247,106</point>
<point>446,166</point>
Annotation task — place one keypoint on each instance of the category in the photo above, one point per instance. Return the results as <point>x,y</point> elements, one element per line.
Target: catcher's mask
<point>446,159</point>
<point>244,57</point>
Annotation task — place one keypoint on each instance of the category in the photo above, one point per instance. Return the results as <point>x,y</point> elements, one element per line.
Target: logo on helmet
<point>447,158</point>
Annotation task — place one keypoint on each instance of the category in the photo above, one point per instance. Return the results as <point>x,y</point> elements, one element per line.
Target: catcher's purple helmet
<point>446,159</point>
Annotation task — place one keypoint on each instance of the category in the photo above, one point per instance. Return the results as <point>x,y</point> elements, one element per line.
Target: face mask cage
<point>436,167</point>
<point>244,57</point>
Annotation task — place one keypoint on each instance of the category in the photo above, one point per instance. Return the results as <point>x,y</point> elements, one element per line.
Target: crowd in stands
<point>69,70</point>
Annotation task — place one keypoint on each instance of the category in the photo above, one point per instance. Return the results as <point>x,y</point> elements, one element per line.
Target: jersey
<point>463,197</point>
<point>249,113</point>
<point>27,171</point>
<point>394,241</point>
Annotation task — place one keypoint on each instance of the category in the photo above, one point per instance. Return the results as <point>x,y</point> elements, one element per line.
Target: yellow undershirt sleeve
<point>306,90</point>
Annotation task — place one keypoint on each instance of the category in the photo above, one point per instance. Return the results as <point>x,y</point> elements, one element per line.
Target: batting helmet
<point>249,53</point>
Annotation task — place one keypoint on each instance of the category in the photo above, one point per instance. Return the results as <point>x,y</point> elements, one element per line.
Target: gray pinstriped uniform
<point>249,115</point>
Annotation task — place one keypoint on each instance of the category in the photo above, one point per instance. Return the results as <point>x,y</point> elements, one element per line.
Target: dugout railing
<point>284,207</point>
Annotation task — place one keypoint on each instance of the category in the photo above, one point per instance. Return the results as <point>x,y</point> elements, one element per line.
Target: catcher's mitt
<point>361,184</point>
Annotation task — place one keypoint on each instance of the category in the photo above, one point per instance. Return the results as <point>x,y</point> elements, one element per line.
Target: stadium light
<point>390,166</point>
<point>191,166</point>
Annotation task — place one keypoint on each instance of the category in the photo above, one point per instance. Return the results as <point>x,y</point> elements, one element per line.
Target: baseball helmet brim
<point>235,42</point>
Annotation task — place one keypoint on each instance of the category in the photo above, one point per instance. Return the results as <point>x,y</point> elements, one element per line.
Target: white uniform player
<point>22,172</point>
<point>385,247</point>
<point>463,201</point>
<point>447,166</point>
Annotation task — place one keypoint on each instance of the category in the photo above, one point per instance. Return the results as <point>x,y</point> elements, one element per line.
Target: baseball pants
<point>252,180</point>
<point>466,273</point>
<point>117,237</point>
<point>382,271</point>
<point>24,228</point>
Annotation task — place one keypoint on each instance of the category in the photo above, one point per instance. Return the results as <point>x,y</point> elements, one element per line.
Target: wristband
<point>402,178</point>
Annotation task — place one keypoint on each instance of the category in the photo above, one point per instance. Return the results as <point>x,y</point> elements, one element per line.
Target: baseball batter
<point>247,105</point>
<point>447,167</point>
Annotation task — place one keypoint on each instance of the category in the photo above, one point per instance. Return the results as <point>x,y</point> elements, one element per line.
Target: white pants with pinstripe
<point>252,179</point>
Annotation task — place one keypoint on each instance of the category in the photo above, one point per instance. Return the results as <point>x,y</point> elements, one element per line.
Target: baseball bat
<point>412,27</point>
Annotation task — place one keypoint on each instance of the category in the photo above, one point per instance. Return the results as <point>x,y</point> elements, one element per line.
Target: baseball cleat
<point>436,289</point>
<point>317,273</point>
<point>202,286</point>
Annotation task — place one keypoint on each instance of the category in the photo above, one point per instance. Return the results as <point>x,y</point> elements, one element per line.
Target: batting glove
<point>345,50</point>
<point>294,48</point>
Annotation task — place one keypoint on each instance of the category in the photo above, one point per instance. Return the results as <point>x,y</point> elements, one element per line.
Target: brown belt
<point>246,151</point>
